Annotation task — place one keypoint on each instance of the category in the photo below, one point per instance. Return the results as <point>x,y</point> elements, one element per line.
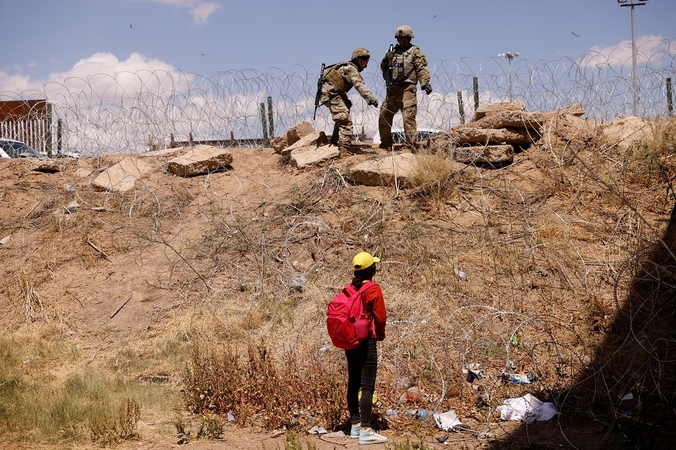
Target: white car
<point>17,149</point>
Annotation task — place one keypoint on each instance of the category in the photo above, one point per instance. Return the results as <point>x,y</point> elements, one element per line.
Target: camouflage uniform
<point>338,80</point>
<point>403,67</point>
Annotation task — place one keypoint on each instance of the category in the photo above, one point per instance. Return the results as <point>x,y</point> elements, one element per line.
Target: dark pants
<point>362,364</point>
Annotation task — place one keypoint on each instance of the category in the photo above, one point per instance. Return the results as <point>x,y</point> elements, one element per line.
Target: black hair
<point>363,275</point>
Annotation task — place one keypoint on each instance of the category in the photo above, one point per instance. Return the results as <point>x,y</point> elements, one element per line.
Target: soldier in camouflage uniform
<point>337,81</point>
<point>403,66</point>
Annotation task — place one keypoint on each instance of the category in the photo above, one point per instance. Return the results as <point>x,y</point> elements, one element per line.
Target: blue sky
<point>55,39</point>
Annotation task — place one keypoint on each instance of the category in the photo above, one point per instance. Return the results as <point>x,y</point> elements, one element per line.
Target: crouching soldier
<point>337,81</point>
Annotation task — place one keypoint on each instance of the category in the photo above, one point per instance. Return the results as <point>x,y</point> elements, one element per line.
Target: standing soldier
<point>337,81</point>
<point>403,66</point>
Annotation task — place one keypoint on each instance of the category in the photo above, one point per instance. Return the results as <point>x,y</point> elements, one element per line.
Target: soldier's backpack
<point>347,321</point>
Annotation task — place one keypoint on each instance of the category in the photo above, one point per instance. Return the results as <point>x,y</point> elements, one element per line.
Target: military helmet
<point>360,53</point>
<point>403,31</point>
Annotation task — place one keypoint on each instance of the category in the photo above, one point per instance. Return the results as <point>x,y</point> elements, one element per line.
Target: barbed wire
<point>133,112</point>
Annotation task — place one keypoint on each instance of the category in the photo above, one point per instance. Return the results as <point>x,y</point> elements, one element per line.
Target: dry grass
<point>477,269</point>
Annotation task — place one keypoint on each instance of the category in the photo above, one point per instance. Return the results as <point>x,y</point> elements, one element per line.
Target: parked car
<point>398,136</point>
<point>17,149</point>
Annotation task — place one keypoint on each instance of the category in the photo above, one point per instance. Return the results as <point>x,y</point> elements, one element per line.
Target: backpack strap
<point>365,285</point>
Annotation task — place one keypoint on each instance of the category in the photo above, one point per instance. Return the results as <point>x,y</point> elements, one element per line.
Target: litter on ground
<point>527,409</point>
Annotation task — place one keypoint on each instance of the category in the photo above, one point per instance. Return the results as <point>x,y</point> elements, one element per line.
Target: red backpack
<point>347,321</point>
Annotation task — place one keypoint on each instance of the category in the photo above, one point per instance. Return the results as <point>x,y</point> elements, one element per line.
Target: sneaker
<point>354,431</point>
<point>368,436</point>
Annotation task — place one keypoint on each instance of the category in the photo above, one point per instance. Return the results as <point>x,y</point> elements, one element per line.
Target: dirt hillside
<point>526,266</point>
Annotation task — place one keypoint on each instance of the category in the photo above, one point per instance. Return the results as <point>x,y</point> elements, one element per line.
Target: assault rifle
<point>320,82</point>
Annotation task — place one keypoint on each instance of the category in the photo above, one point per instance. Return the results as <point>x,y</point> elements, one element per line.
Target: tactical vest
<point>338,81</point>
<point>401,69</point>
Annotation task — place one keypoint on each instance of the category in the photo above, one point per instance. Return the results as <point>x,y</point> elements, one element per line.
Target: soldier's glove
<point>427,88</point>
<point>373,102</point>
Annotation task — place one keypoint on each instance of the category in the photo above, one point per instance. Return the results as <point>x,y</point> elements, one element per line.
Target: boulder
<point>45,165</point>
<point>122,176</point>
<point>484,136</point>
<point>303,157</point>
<point>485,154</point>
<point>493,108</point>
<point>200,160</point>
<point>626,131</point>
<point>293,135</point>
<point>575,110</point>
<point>381,171</point>
<point>314,140</point>
<point>509,119</point>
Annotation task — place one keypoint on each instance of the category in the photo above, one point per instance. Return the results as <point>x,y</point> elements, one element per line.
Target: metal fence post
<point>461,107</point>
<point>59,136</point>
<point>670,101</point>
<point>264,122</point>
<point>475,82</point>
<point>48,133</point>
<point>270,119</point>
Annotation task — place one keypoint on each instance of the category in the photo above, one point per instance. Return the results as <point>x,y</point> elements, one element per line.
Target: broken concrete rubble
<point>293,135</point>
<point>501,125</point>
<point>200,160</point>
<point>512,136</point>
<point>122,176</point>
<point>312,140</point>
<point>310,155</point>
<point>493,108</point>
<point>384,171</point>
<point>485,154</point>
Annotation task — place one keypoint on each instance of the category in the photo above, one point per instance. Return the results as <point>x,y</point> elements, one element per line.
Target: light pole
<point>509,57</point>
<point>634,81</point>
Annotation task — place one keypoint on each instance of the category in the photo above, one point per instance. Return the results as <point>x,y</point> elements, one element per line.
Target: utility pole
<point>509,57</point>
<point>634,79</point>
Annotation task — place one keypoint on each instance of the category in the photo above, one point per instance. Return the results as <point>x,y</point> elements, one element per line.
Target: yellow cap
<point>364,260</point>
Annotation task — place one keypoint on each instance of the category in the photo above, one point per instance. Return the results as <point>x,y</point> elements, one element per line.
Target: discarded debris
<point>447,421</point>
<point>527,409</point>
<point>317,430</point>
<point>519,378</point>
<point>121,306</point>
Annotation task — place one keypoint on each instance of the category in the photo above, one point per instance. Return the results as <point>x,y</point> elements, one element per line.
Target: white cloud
<point>650,50</point>
<point>199,10</point>
<point>102,76</point>
<point>202,11</point>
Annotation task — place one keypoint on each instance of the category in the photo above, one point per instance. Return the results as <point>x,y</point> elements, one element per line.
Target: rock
<point>311,155</point>
<point>493,108</point>
<point>625,131</point>
<point>44,165</point>
<point>381,171</point>
<point>575,110</point>
<point>508,119</point>
<point>491,154</point>
<point>122,176</point>
<point>293,135</point>
<point>493,136</point>
<point>314,139</point>
<point>200,160</point>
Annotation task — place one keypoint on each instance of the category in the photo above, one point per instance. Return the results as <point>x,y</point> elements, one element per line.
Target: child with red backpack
<point>362,361</point>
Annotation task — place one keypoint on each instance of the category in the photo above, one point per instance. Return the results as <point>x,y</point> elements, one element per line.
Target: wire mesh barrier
<point>142,110</point>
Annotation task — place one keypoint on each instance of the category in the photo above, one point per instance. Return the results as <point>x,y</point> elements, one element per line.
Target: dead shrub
<point>256,388</point>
